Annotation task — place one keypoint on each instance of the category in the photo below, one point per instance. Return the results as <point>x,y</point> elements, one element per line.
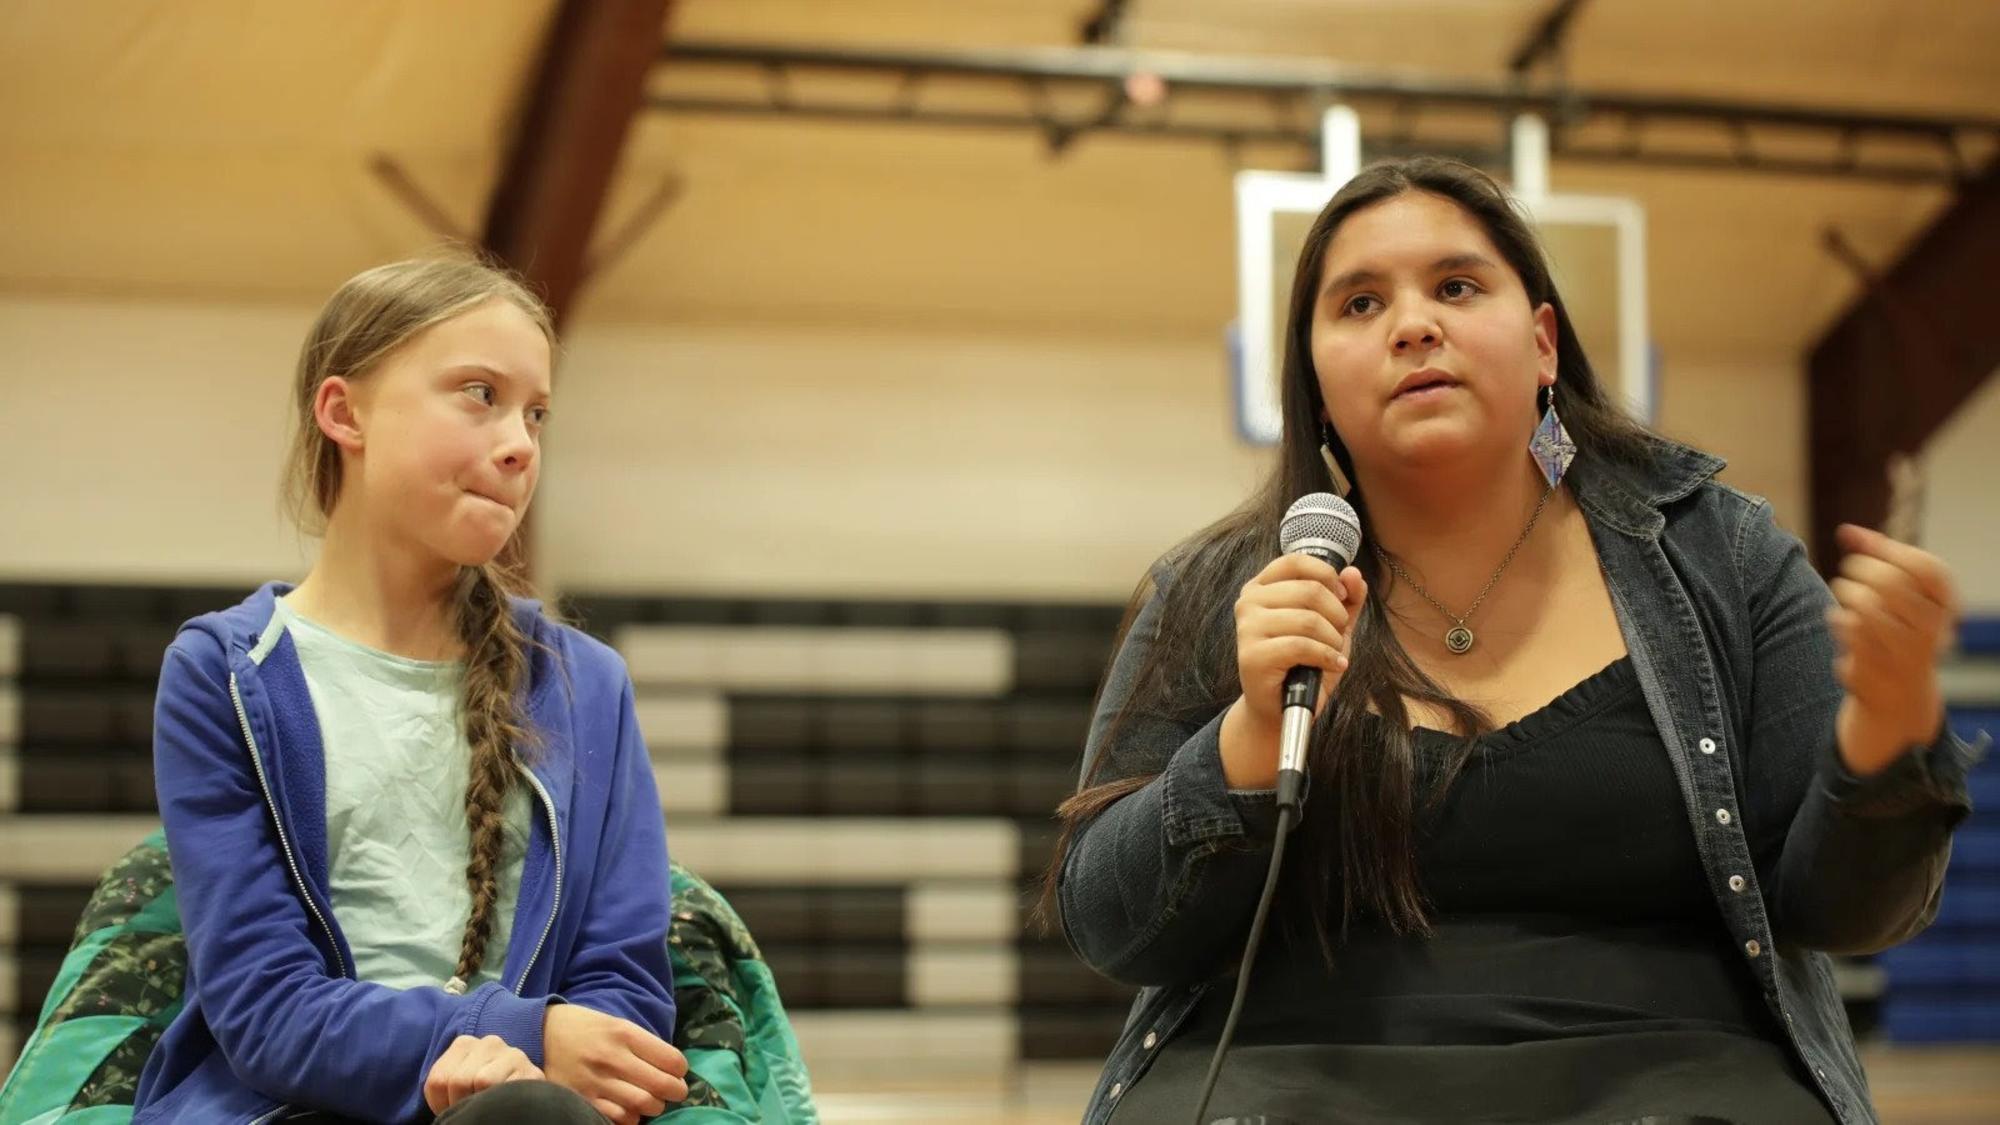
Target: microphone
<point>1324,526</point>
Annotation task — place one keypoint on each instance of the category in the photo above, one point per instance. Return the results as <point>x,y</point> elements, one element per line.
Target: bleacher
<point>870,782</point>
<point>900,760</point>
<point>1944,985</point>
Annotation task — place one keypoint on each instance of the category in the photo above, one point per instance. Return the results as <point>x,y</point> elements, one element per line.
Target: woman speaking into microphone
<point>1602,769</point>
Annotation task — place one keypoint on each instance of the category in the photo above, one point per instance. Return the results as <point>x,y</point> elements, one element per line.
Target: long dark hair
<point>1367,788</point>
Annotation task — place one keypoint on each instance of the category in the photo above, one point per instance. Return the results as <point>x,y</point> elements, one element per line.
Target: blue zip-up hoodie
<point>274,1016</point>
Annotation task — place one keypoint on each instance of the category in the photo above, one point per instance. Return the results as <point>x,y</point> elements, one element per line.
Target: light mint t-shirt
<point>396,769</point>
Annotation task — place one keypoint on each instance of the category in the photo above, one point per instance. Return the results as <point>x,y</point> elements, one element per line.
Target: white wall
<point>1961,518</point>
<point>895,463</point>
<point>142,442</point>
<point>1750,410</point>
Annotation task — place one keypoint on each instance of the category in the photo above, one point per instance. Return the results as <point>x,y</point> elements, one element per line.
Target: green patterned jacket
<point>121,984</point>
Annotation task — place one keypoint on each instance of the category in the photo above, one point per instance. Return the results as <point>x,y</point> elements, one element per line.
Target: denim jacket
<point>1724,622</point>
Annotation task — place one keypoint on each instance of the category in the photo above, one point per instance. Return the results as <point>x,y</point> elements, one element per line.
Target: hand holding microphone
<point>1294,622</point>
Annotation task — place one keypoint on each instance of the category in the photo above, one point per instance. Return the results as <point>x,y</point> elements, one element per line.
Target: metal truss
<point>1281,101</point>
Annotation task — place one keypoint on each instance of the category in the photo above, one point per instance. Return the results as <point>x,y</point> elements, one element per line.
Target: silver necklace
<point>1459,638</point>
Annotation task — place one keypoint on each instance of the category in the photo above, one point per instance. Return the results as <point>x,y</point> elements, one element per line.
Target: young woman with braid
<point>1602,772</point>
<point>416,841</point>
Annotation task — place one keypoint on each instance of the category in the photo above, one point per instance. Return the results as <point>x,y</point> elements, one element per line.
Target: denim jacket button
<point>1736,883</point>
<point>1722,816</point>
<point>1117,1088</point>
<point>1752,948</point>
<point>1708,746</point>
<point>1152,1040</point>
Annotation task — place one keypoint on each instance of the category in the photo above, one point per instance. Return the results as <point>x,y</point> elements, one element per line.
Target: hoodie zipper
<point>284,842</point>
<point>555,902</point>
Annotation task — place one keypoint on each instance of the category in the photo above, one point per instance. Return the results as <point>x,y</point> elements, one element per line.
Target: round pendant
<point>1459,641</point>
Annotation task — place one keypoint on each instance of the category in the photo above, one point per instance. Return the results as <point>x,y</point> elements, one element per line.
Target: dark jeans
<point>530,1103</point>
<point>539,1103</point>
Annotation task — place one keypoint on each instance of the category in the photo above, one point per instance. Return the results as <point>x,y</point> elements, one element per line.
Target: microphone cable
<point>1288,815</point>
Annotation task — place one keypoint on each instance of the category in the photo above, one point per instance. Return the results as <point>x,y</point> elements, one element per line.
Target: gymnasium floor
<point>1913,1086</point>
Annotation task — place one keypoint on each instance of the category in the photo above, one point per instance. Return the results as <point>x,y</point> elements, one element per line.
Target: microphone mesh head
<point>1323,525</point>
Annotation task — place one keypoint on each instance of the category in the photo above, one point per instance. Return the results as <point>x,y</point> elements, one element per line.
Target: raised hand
<point>1897,611</point>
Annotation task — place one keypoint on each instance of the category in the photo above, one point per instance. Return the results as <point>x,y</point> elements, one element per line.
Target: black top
<point>1579,970</point>
<point>1570,810</point>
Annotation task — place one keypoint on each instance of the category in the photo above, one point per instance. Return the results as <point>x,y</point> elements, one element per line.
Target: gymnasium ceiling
<point>202,151</point>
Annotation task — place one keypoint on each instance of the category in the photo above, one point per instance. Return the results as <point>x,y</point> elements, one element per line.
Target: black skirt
<point>1516,1020</point>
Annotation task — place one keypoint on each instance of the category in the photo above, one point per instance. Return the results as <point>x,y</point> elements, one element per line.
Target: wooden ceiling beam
<point>587,86</point>
<point>1913,347</point>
